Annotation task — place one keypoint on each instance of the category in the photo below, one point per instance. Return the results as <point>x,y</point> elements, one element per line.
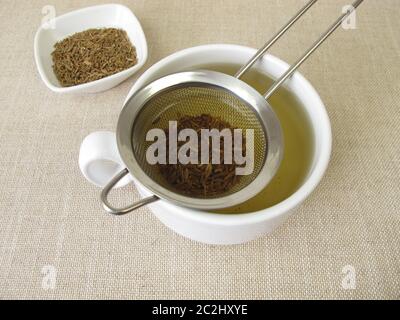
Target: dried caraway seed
<point>202,180</point>
<point>91,55</point>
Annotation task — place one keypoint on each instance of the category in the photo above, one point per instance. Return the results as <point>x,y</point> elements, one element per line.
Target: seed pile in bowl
<point>91,55</point>
<point>202,180</point>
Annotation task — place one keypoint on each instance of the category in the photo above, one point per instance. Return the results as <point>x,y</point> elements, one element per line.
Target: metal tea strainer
<point>205,92</point>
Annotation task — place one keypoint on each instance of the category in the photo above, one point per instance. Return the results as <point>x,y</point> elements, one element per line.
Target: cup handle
<point>99,159</point>
<point>121,211</point>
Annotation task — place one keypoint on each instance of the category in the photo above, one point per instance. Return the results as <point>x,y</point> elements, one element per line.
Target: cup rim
<point>320,162</point>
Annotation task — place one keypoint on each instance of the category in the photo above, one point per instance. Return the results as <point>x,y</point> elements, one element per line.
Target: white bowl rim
<point>94,83</point>
<point>289,203</point>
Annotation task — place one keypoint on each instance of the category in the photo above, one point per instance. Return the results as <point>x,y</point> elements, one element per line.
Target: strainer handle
<point>275,38</point>
<point>121,211</point>
<point>314,47</point>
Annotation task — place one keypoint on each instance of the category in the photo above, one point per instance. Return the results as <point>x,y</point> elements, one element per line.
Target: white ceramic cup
<point>208,227</point>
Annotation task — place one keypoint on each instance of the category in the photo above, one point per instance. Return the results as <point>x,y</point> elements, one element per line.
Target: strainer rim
<point>243,91</point>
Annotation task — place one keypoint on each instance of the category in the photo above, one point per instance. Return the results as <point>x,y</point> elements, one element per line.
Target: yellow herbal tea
<point>298,142</point>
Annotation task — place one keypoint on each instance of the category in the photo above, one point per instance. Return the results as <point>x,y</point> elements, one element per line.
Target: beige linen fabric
<point>51,216</point>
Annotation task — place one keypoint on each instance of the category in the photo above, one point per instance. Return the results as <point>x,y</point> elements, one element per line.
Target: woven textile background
<point>51,216</point>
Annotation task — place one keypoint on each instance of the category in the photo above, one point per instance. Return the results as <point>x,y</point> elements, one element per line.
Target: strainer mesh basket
<point>193,100</point>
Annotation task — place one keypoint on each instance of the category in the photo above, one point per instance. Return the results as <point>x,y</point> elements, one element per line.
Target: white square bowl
<point>102,16</point>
